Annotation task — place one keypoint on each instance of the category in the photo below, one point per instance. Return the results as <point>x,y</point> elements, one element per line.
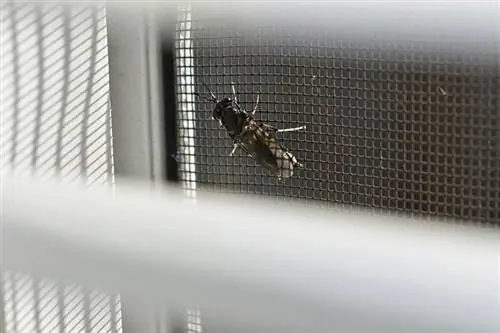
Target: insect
<point>256,139</point>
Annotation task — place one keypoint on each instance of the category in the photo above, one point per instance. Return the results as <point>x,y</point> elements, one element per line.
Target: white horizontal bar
<point>261,264</point>
<point>472,25</point>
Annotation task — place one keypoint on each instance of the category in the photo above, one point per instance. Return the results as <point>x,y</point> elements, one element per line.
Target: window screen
<point>393,125</point>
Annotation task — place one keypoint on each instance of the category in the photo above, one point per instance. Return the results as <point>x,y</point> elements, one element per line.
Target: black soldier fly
<point>257,139</point>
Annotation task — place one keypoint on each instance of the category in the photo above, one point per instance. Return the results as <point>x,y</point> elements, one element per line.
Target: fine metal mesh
<point>186,122</point>
<point>410,127</point>
<point>56,121</point>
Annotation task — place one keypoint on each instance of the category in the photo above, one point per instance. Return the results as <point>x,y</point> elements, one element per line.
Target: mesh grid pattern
<point>186,121</point>
<point>404,127</point>
<point>56,121</point>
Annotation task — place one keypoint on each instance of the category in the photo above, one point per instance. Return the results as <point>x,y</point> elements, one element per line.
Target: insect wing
<point>265,149</point>
<point>282,162</point>
<point>256,145</point>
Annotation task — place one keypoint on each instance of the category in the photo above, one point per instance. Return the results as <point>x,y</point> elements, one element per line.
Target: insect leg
<point>293,129</point>
<point>256,104</point>
<point>235,98</point>
<point>277,130</point>
<point>234,149</point>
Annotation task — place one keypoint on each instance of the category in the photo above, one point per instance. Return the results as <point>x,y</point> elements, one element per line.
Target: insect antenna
<point>212,97</point>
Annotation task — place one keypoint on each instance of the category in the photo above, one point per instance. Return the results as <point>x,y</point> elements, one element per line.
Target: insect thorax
<point>230,117</point>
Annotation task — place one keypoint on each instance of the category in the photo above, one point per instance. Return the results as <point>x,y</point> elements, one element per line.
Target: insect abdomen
<point>266,151</point>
